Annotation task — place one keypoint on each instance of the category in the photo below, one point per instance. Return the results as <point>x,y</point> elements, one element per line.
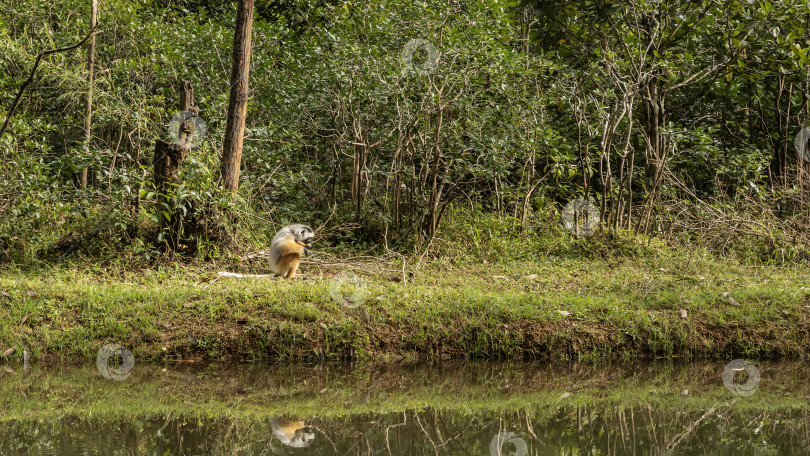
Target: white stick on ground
<point>243,276</point>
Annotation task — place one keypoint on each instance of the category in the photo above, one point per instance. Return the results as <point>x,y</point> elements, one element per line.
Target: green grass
<point>454,305</point>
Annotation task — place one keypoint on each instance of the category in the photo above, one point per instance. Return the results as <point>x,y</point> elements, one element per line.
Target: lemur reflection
<point>292,433</point>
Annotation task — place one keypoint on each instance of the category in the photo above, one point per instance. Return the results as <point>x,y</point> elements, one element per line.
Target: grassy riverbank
<point>666,304</point>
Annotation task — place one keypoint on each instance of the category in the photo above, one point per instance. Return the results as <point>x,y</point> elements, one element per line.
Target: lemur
<point>288,245</point>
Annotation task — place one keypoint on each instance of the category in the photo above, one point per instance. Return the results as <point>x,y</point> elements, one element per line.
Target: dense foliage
<point>676,117</point>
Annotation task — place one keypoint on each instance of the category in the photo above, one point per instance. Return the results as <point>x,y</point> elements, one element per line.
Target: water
<point>451,408</point>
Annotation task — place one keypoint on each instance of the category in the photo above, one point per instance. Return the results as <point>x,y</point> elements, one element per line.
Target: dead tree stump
<point>167,161</point>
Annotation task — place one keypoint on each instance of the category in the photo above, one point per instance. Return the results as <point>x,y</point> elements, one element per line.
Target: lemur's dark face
<point>304,235</point>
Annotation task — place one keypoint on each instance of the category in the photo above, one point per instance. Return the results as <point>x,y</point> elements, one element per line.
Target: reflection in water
<point>291,432</point>
<point>449,409</point>
<point>502,440</point>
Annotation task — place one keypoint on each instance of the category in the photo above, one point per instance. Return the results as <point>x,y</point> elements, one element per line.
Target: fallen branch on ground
<point>236,275</point>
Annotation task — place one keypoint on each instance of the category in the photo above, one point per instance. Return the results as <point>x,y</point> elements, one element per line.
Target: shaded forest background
<point>679,119</point>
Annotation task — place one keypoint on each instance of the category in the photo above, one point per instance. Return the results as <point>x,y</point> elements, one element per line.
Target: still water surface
<point>452,408</point>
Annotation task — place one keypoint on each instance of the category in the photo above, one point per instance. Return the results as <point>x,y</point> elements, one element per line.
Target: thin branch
<point>698,76</point>
<point>34,70</point>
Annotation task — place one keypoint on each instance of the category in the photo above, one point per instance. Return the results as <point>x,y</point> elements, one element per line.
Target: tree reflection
<point>455,408</point>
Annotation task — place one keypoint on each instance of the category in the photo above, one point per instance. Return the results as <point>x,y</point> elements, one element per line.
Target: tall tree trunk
<point>779,161</point>
<point>88,111</point>
<point>656,148</point>
<point>358,165</point>
<point>237,100</point>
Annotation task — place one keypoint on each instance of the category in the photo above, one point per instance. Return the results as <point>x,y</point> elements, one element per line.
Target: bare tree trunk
<point>437,184</point>
<point>237,100</point>
<point>88,111</point>
<point>358,167</point>
<point>779,161</point>
<point>656,150</point>
<point>801,162</point>
<point>167,160</point>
